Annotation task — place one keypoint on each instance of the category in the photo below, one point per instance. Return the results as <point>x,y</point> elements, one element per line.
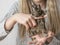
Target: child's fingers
<point>29,43</point>
<point>32,42</point>
<point>39,43</point>
<point>45,16</point>
<point>40,17</point>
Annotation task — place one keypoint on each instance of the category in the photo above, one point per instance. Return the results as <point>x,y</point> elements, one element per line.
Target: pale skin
<point>21,19</point>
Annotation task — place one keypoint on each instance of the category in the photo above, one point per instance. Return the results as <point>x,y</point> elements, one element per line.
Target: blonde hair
<point>23,9</point>
<point>53,15</point>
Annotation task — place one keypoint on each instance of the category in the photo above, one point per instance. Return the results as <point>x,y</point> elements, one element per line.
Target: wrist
<point>9,23</point>
<point>14,17</point>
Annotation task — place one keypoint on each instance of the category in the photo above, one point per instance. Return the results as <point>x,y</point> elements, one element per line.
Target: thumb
<point>29,43</point>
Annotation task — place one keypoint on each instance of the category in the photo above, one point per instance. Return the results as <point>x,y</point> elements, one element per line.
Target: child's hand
<point>38,40</point>
<point>42,40</point>
<point>40,17</point>
<point>25,19</point>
